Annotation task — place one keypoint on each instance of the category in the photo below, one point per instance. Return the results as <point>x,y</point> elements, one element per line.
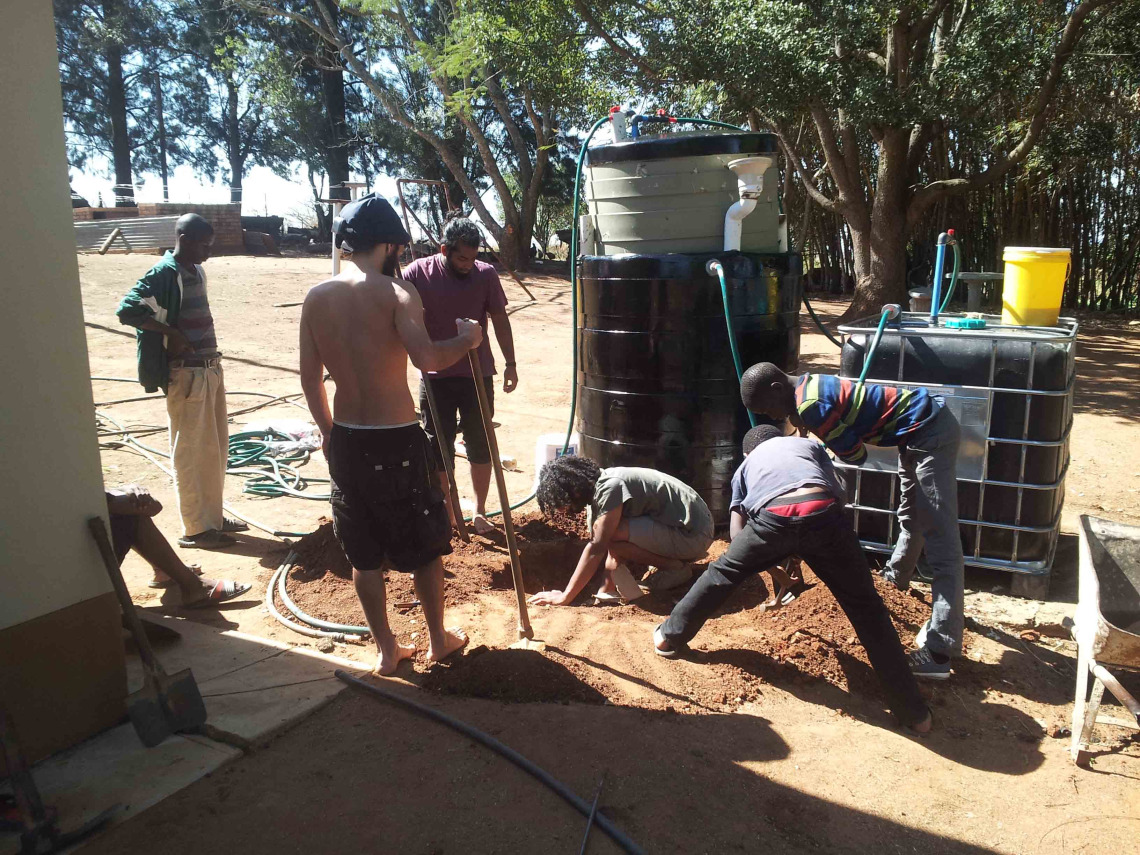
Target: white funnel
<point>750,181</point>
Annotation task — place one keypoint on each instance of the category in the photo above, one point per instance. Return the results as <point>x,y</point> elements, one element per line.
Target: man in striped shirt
<point>178,353</point>
<point>848,417</point>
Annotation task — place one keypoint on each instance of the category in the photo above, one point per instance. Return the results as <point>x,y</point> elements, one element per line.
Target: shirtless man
<point>388,508</point>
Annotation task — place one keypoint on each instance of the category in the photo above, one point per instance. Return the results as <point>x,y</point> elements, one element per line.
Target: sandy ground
<point>732,751</point>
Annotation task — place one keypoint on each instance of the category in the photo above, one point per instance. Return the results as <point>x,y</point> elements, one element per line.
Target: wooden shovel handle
<point>524,628</point>
<point>99,531</point>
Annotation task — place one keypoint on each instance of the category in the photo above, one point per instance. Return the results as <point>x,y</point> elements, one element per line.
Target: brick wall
<point>226,220</point>
<point>86,214</point>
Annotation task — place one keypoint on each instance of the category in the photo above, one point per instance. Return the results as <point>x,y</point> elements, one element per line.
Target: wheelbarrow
<point>1106,626</point>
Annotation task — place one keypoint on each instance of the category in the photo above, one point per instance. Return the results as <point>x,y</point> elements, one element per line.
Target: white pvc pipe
<point>336,249</point>
<point>734,220</point>
<point>750,185</point>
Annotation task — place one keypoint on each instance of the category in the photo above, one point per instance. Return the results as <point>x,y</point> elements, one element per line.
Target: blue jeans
<point>826,541</point>
<point>928,517</point>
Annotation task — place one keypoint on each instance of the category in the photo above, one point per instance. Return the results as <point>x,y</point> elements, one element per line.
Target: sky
<point>264,192</point>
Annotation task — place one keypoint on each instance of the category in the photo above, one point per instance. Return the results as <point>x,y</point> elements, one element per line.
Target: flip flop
<point>196,569</point>
<point>605,598</point>
<point>673,653</point>
<point>225,589</point>
<point>231,524</point>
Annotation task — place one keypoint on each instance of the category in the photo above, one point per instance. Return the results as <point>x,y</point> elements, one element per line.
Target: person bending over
<point>787,500</point>
<point>847,418</point>
<point>635,514</point>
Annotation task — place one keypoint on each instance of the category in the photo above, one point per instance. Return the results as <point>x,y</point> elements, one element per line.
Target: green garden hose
<point>953,278</point>
<point>718,269</point>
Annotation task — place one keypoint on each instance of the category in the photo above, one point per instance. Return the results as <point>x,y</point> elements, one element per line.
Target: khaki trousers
<point>199,444</point>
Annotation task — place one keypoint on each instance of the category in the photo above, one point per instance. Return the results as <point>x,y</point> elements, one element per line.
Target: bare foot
<point>482,525</point>
<point>454,640</point>
<point>923,727</point>
<point>388,661</point>
<point>161,580</point>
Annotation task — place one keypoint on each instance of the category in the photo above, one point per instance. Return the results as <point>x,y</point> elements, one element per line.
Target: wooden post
<point>115,232</point>
<point>524,628</point>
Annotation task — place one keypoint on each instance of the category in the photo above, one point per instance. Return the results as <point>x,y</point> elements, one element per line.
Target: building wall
<point>60,643</point>
<point>226,220</point>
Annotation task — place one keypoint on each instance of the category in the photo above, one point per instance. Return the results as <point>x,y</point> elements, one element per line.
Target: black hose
<point>616,834</point>
<point>819,324</point>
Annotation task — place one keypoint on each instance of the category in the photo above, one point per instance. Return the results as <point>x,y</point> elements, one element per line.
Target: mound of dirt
<point>321,580</point>
<point>808,640</point>
<point>318,553</point>
<point>514,676</point>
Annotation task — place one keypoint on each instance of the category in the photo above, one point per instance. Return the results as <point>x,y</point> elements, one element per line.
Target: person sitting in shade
<point>788,500</point>
<point>132,510</point>
<point>638,515</point>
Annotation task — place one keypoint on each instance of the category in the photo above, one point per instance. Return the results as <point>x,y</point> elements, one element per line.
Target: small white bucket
<point>549,446</point>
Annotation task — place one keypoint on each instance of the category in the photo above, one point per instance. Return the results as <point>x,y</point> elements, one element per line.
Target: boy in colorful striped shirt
<point>847,417</point>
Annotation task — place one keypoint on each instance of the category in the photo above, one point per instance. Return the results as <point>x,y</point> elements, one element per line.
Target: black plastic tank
<point>656,382</point>
<point>1011,512</point>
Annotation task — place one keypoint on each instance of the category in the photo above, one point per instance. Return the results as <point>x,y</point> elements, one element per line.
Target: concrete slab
<point>250,706</point>
<point>204,649</point>
<point>253,687</point>
<point>115,768</point>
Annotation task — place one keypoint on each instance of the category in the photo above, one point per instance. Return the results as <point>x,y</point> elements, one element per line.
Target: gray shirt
<point>646,492</point>
<point>780,466</point>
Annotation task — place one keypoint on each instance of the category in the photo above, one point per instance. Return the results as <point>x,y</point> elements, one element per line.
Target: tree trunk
<point>117,114</point>
<point>234,151</point>
<point>880,245</point>
<point>332,91</point>
<point>161,138</point>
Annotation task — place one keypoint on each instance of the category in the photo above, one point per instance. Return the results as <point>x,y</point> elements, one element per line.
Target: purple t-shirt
<point>446,297</point>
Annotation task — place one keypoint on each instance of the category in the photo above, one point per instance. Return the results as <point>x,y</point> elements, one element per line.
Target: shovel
<point>524,628</point>
<point>167,703</point>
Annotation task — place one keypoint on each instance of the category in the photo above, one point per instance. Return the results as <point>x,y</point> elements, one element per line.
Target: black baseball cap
<point>366,222</point>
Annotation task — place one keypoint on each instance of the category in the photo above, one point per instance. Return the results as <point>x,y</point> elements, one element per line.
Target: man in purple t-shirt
<point>454,284</point>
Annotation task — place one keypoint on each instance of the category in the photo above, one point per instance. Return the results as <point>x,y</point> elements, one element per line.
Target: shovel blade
<point>185,709</point>
<point>147,716</point>
<point>165,705</point>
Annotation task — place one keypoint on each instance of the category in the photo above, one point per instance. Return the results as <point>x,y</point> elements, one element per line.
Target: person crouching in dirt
<point>638,515</point>
<point>787,500</point>
<point>848,418</point>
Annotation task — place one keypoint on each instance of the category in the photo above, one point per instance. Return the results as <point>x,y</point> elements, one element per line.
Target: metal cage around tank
<point>1011,388</point>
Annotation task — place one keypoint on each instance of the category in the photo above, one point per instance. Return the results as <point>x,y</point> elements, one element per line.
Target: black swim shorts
<point>387,503</point>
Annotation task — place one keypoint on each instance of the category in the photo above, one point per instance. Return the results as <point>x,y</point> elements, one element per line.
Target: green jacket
<point>157,295</point>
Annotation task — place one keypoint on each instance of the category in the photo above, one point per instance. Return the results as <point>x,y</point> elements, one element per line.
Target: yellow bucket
<point>1034,284</point>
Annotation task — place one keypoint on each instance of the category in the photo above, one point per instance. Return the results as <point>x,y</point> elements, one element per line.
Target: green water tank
<point>660,195</point>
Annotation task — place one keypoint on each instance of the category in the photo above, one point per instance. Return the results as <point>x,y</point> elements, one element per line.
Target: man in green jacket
<point>178,353</point>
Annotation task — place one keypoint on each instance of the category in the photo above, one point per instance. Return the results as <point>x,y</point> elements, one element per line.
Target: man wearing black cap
<point>388,508</point>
